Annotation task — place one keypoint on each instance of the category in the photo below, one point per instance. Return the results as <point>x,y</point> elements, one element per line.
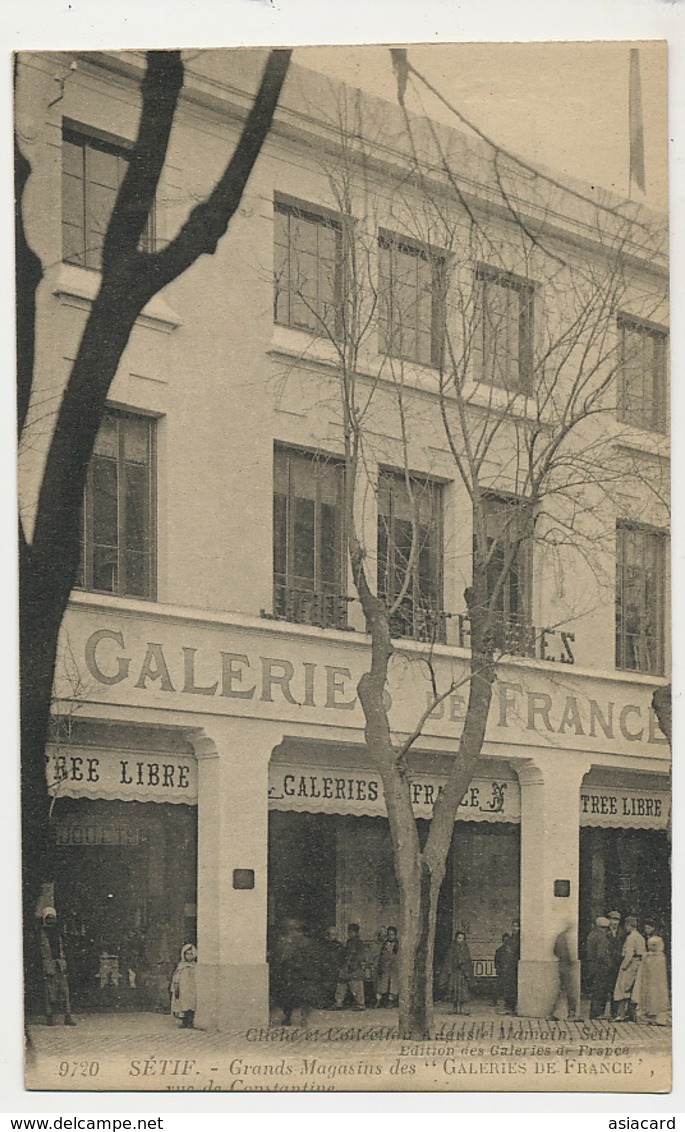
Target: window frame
<point>658,419</point>
<point>657,640</point>
<point>90,139</point>
<point>325,602</point>
<point>421,617</point>
<point>87,543</point>
<point>511,627</point>
<point>486,368</point>
<point>391,244</point>
<point>322,218</point>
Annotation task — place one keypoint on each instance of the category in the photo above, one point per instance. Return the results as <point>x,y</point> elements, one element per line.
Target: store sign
<point>78,834</point>
<point>623,808</point>
<point>130,776</point>
<point>329,791</point>
<point>535,707</point>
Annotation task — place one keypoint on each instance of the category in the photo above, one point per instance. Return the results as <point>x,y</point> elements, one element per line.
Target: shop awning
<point>317,789</point>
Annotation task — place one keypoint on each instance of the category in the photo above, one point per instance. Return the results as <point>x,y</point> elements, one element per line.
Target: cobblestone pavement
<point>349,1051</point>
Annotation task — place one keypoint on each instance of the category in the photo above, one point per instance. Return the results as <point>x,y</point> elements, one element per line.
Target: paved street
<point>350,1051</point>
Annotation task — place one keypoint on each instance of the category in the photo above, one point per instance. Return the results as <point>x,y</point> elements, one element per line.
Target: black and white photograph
<point>343,409</point>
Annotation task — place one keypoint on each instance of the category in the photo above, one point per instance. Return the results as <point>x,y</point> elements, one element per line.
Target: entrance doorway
<point>125,889</point>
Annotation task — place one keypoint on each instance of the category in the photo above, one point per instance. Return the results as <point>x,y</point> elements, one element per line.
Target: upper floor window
<point>308,542</point>
<point>92,171</point>
<point>411,301</point>
<point>503,338</point>
<point>640,598</point>
<point>307,269</point>
<point>508,573</point>
<point>117,518</point>
<point>410,555</point>
<point>642,378</point>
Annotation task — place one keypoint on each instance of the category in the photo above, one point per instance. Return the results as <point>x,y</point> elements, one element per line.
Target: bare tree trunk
<point>48,565</point>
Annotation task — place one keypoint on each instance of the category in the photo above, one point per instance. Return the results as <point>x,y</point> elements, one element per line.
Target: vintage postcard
<point>344,501</point>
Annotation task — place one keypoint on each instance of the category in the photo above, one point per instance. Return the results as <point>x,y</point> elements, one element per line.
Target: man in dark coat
<point>294,967</point>
<point>54,966</point>
<point>510,968</point>
<point>351,973</point>
<point>616,936</point>
<point>332,956</point>
<point>600,978</point>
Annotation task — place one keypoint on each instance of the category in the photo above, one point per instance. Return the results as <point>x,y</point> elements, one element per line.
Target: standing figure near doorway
<point>510,969</point>
<point>616,936</point>
<point>633,950</point>
<point>295,973</point>
<point>565,951</point>
<point>457,973</point>
<point>601,977</point>
<point>54,966</point>
<point>183,993</point>
<point>351,973</point>
<point>650,992</point>
<point>387,969</point>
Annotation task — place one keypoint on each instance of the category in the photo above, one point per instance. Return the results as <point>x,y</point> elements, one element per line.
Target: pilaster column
<point>550,867</point>
<point>233,787</point>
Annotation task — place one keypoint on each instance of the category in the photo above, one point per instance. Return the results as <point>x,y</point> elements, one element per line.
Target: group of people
<point>626,970</point>
<point>307,973</point>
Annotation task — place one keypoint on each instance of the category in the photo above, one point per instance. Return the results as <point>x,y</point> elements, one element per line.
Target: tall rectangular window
<point>503,338</point>
<point>308,270</point>
<point>508,573</point>
<point>640,600</point>
<point>411,301</point>
<point>410,555</point>
<point>642,378</point>
<point>117,518</point>
<point>92,171</point>
<point>308,539</point>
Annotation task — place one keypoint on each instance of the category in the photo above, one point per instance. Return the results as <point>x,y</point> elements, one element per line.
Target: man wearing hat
<point>616,935</point>
<point>600,978</point>
<point>54,966</point>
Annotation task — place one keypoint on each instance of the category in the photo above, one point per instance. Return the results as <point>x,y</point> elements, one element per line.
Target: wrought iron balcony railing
<point>310,607</point>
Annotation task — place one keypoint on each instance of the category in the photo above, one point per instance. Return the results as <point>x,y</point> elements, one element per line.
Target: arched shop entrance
<point>331,863</point>
<point>125,864</point>
<point>625,848</point>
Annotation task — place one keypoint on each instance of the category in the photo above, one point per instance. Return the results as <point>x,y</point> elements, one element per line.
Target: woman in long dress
<point>457,973</point>
<point>650,992</point>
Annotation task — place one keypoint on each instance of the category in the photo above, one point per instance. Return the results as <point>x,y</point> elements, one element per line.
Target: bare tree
<point>130,277</point>
<point>527,409</point>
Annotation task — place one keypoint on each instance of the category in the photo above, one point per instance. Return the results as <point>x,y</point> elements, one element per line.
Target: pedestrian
<point>457,973</point>
<point>499,964</point>
<point>633,950</point>
<point>54,969</point>
<point>616,937</point>
<point>387,969</point>
<point>650,990</point>
<point>183,992</point>
<point>599,968</point>
<point>351,973</point>
<point>566,952</point>
<point>332,952</point>
<point>294,969</point>
<point>510,968</point>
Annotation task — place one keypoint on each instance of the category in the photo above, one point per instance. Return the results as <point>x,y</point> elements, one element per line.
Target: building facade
<point>207,763</point>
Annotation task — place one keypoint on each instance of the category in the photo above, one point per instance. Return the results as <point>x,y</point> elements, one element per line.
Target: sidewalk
<point>352,1051</point>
